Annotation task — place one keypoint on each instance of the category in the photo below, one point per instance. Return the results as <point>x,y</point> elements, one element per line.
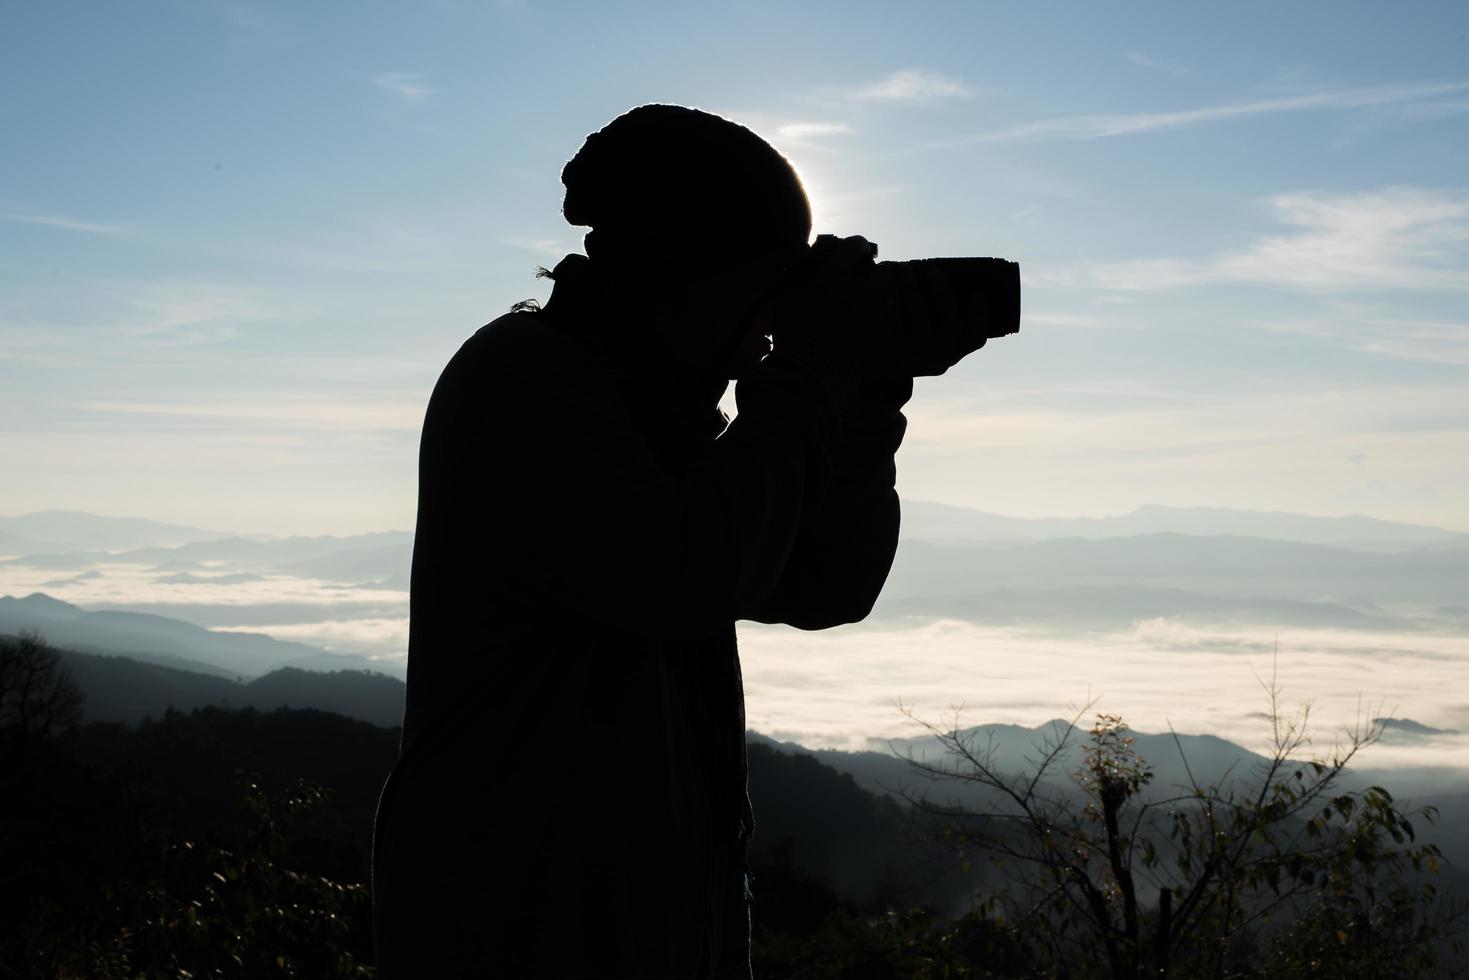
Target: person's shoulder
<point>524,355</point>
<point>523,342</point>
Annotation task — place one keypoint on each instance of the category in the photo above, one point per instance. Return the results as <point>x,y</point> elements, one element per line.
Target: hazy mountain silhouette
<point>353,559</point>
<point>1408,728</point>
<point>189,578</point>
<point>1117,607</point>
<point>271,612</point>
<point>148,636</point>
<point>1212,760</point>
<point>315,552</point>
<point>97,812</point>
<point>1224,565</point>
<point>16,544</point>
<point>1266,569</point>
<point>59,561</point>
<point>59,530</point>
<point>77,579</point>
<point>885,771</point>
<point>923,520</point>
<point>128,690</point>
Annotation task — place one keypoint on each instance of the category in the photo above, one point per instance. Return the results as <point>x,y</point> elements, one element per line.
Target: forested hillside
<point>127,690</point>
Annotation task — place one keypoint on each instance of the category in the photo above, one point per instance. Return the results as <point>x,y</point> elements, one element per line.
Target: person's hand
<point>831,319</point>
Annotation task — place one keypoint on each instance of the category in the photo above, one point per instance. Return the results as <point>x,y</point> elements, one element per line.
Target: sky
<point>238,242</point>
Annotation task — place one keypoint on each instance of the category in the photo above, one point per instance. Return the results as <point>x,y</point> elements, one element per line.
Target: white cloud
<point>380,639</point>
<point>1392,238</point>
<point>1158,673</point>
<point>193,312</point>
<point>806,131</point>
<point>407,85</point>
<point>1102,125</point>
<point>1167,67</point>
<point>551,249</point>
<point>914,85</point>
<point>166,309</point>
<point>67,224</point>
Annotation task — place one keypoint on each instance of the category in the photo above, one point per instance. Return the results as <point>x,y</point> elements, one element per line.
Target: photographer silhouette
<point>570,794</point>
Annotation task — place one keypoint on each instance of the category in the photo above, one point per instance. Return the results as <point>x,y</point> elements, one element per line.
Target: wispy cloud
<point>1393,238</point>
<point>1167,67</point>
<point>914,85</point>
<point>406,85</point>
<point>59,221</point>
<point>547,248</point>
<point>1077,321</point>
<point>297,413</point>
<point>1425,340</point>
<point>41,347</point>
<point>193,312</point>
<point>801,132</point>
<point>1103,125</point>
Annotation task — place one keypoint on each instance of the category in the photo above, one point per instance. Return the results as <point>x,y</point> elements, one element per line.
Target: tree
<point>38,696</point>
<point>1278,873</point>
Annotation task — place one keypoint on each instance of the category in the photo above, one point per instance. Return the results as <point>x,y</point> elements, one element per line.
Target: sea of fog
<point>855,687</point>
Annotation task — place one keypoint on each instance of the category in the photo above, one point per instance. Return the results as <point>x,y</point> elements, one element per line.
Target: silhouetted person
<point>570,796</point>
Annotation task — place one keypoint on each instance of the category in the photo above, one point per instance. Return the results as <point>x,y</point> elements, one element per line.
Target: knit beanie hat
<point>657,176</point>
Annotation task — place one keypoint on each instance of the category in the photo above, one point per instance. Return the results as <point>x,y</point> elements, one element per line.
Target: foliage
<point>38,696</point>
<point>119,857</point>
<point>896,944</point>
<point>123,855</point>
<point>219,912</point>
<point>1280,873</point>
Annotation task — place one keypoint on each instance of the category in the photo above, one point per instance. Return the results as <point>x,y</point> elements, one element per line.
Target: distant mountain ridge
<point>1013,748</point>
<point>127,690</point>
<point>148,637</point>
<point>61,531</point>
<point>66,530</point>
<point>928,521</point>
<point>1226,566</point>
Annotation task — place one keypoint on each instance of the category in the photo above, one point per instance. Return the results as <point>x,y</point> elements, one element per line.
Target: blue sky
<point>238,242</point>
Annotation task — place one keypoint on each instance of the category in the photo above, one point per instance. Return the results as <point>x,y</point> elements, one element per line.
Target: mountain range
<point>163,641</point>
<point>1223,566</point>
<point>144,540</point>
<point>927,521</point>
<point>1204,566</point>
<point>124,689</point>
<point>70,530</point>
<point>1178,763</point>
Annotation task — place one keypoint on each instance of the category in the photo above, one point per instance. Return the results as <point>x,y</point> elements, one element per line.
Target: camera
<point>929,333</point>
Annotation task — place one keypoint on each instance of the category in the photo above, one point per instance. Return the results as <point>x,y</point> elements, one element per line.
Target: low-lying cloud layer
<point>841,688</point>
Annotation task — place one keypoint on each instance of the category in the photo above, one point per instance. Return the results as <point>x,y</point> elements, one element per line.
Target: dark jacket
<point>570,795</point>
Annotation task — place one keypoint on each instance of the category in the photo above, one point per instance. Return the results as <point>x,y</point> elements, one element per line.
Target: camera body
<point>937,311</point>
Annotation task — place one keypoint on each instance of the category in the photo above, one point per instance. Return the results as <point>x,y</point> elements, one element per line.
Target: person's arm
<point>594,524</point>
<point>849,531</point>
